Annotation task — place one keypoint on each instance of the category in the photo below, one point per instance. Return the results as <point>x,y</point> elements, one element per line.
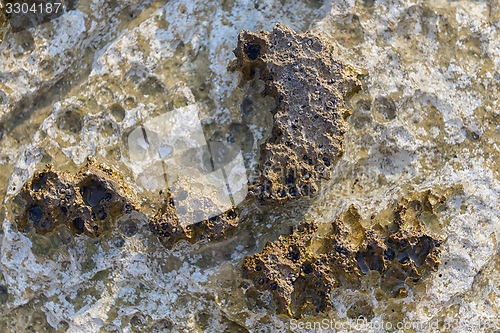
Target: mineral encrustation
<point>87,203</point>
<point>166,224</point>
<point>309,87</point>
<point>280,264</point>
<point>3,24</point>
<point>402,251</point>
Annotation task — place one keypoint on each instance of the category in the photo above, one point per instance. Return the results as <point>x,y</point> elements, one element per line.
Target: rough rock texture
<point>402,251</point>
<point>279,265</point>
<point>428,116</point>
<point>309,87</point>
<point>3,24</point>
<point>166,226</point>
<point>88,202</point>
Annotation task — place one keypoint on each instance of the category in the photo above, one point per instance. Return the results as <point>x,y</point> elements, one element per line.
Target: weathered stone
<point>309,87</point>
<point>402,252</point>
<point>169,230</point>
<point>88,202</point>
<point>3,24</point>
<point>279,265</point>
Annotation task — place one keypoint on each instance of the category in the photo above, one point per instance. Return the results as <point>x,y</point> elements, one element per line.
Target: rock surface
<point>165,225</point>
<point>88,202</point>
<point>427,117</point>
<point>309,86</point>
<point>401,251</point>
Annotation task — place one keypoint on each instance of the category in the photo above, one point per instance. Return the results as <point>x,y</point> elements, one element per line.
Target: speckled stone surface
<point>301,275</point>
<point>426,117</point>
<point>88,202</point>
<point>166,226</point>
<point>309,86</point>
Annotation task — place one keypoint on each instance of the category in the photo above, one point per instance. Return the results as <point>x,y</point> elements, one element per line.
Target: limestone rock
<point>309,87</point>
<point>402,252</point>
<point>279,265</point>
<point>88,202</point>
<point>167,226</point>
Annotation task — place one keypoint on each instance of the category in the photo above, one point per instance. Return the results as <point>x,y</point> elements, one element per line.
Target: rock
<point>309,87</point>
<point>279,265</point>
<point>402,252</point>
<point>88,202</point>
<point>3,25</point>
<point>167,226</point>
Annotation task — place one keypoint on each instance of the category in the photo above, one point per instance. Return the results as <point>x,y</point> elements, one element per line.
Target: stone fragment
<point>309,87</point>
<point>281,263</point>
<point>402,251</point>
<point>167,227</point>
<point>87,203</point>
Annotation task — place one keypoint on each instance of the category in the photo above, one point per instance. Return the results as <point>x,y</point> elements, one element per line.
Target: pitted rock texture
<point>301,271</point>
<point>87,203</point>
<point>309,87</point>
<point>169,230</point>
<point>279,265</point>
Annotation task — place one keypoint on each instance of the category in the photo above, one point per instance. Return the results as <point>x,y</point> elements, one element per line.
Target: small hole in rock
<point>252,50</point>
<point>36,213</point>
<point>78,224</point>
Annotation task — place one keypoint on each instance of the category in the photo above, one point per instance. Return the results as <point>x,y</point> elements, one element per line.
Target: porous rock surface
<point>309,87</point>
<point>169,230</point>
<point>428,116</point>
<point>279,265</point>
<point>402,251</point>
<point>88,202</point>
